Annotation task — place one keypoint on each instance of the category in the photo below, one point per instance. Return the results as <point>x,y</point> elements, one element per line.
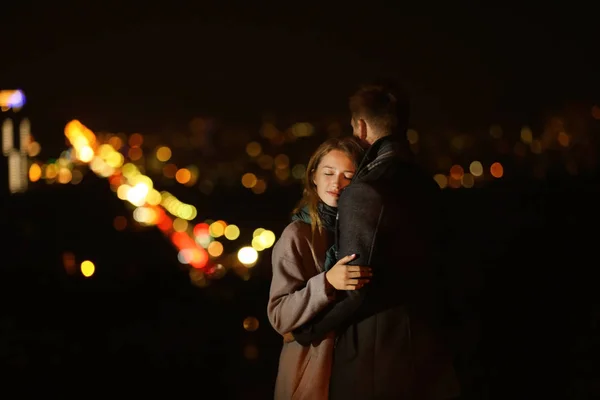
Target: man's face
<point>355,130</point>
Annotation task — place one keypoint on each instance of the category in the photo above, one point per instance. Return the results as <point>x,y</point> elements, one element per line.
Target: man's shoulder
<point>398,172</point>
<point>361,190</point>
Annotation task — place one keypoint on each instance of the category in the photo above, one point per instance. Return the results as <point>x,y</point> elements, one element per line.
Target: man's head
<point>378,109</point>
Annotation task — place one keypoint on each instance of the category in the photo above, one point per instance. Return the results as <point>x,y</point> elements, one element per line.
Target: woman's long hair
<point>350,146</point>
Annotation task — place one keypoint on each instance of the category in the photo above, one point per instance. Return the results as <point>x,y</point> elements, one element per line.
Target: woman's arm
<point>296,296</point>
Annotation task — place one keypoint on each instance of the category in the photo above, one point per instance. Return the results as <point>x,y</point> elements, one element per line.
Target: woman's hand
<point>348,277</point>
<point>288,337</point>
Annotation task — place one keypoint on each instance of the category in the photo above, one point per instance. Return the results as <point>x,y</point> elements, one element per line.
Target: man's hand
<point>348,277</point>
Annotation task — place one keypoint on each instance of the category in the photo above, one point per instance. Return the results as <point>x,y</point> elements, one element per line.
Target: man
<point>387,344</point>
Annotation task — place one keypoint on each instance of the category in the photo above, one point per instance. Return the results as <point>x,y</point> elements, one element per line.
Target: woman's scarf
<point>328,217</point>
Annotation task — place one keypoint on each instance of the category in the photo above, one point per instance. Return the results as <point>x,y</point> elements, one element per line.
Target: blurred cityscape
<point>154,250</point>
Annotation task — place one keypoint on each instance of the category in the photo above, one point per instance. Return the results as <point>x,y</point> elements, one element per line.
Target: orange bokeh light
<point>497,170</point>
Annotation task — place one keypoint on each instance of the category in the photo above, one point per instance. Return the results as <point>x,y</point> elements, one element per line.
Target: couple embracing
<point>353,289</point>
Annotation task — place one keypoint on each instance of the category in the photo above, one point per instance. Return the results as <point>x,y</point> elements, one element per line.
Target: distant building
<point>16,135</point>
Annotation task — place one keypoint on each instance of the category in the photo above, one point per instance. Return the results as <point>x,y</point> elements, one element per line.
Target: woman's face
<point>333,174</point>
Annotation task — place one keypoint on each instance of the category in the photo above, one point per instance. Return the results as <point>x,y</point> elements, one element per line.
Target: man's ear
<point>362,129</point>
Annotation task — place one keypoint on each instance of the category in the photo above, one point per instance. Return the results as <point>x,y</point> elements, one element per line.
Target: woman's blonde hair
<point>350,146</point>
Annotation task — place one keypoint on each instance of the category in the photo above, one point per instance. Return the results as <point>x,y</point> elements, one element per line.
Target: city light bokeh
<point>141,170</point>
<point>195,241</point>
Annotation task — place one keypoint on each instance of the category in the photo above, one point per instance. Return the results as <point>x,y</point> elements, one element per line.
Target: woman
<point>305,275</point>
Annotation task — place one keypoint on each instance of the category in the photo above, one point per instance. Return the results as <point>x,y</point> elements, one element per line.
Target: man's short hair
<point>382,103</point>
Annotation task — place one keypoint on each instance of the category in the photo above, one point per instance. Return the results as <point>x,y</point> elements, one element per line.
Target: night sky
<point>142,68</point>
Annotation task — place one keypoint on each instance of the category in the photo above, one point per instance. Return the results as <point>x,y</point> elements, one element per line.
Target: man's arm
<point>360,209</point>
